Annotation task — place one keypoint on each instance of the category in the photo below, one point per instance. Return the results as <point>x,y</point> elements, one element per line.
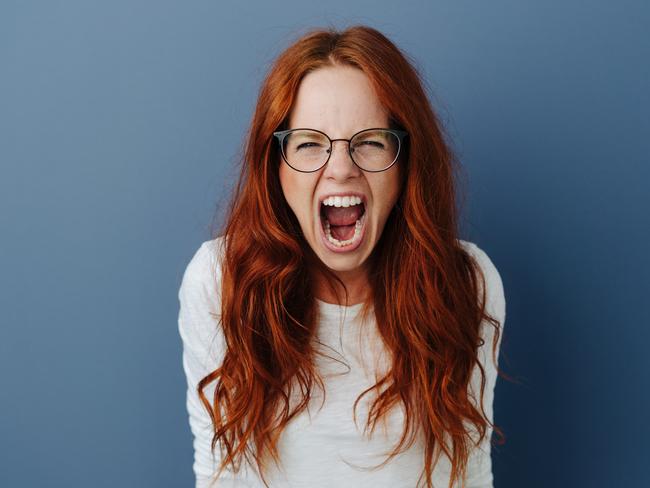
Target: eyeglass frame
<point>400,134</point>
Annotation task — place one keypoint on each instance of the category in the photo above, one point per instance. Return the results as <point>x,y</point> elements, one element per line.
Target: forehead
<point>337,100</point>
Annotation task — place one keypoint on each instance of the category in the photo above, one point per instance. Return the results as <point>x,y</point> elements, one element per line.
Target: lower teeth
<point>336,242</point>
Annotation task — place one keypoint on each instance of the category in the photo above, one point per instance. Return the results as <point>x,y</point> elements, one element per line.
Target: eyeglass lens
<point>372,150</point>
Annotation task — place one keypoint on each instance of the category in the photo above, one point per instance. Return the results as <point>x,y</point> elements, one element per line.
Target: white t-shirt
<point>323,447</point>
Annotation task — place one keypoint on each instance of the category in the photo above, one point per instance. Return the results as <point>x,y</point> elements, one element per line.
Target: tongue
<point>343,215</point>
<point>342,220</point>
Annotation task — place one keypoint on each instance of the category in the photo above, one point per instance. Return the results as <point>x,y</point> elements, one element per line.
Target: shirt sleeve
<point>479,472</point>
<point>203,350</point>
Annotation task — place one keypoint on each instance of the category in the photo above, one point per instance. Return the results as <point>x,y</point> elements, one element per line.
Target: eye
<point>307,144</point>
<point>369,144</point>
<point>374,143</point>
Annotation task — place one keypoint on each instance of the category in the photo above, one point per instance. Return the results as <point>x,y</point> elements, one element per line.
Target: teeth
<point>336,242</point>
<point>346,201</point>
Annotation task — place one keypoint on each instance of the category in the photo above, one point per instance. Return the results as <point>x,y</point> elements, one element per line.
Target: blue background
<point>120,126</point>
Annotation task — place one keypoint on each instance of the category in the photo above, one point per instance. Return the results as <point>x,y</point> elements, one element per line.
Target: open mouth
<point>342,222</point>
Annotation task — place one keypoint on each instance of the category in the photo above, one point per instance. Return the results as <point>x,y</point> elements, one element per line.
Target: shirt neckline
<point>335,310</point>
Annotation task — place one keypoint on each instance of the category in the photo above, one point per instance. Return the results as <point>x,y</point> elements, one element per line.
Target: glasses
<point>308,150</point>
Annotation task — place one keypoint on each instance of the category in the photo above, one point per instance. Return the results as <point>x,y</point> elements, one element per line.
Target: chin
<point>343,264</point>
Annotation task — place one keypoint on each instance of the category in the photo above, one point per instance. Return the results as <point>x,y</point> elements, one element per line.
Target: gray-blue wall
<point>120,125</point>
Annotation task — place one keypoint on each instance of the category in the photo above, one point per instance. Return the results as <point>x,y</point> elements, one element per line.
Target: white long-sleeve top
<point>324,447</point>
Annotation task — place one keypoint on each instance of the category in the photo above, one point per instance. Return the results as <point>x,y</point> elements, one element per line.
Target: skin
<point>339,101</point>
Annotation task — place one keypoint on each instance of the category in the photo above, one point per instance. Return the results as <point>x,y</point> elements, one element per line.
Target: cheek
<point>288,185</point>
<point>296,192</point>
<point>389,192</point>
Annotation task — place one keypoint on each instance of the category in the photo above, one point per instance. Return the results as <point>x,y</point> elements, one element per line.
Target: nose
<point>340,165</point>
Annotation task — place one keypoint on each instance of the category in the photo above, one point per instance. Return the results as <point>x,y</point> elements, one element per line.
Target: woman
<point>338,332</point>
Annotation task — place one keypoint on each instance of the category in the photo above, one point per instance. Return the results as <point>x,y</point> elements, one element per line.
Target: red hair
<point>424,285</point>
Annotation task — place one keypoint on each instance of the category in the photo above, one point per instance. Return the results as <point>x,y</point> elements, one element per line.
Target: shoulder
<point>495,307</point>
<point>495,295</point>
<point>204,268</point>
<point>209,253</point>
<point>200,290</point>
<point>199,296</point>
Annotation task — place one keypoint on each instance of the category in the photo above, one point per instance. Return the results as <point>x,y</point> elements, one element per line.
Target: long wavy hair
<point>423,285</point>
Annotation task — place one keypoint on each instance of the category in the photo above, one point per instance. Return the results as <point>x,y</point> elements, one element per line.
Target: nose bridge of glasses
<point>349,141</point>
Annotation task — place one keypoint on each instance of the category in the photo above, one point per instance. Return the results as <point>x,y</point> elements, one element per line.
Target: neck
<point>356,283</point>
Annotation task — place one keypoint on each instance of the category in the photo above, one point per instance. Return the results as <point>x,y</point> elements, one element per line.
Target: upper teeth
<point>342,201</point>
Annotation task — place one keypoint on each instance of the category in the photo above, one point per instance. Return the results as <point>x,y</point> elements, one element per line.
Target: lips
<point>342,229</point>
<point>342,216</point>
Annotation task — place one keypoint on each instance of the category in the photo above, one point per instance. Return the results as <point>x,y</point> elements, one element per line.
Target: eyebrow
<point>379,126</point>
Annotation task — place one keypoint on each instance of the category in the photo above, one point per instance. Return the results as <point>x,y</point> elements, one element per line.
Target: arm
<point>479,472</point>
<point>203,349</point>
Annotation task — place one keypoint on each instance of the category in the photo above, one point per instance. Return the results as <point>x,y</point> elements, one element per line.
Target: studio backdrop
<point>121,130</point>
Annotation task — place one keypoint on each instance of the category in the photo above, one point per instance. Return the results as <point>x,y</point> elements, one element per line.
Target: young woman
<point>338,332</point>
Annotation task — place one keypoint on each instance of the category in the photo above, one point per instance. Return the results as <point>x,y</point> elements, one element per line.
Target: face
<point>339,101</point>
